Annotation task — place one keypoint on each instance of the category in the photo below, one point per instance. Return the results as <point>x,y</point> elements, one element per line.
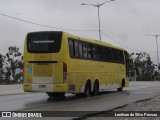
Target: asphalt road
<point>103,102</point>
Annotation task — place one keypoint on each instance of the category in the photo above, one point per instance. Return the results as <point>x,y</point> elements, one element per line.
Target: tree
<point>1,63</point>
<point>156,76</point>
<point>14,64</point>
<point>144,66</point>
<point>1,68</point>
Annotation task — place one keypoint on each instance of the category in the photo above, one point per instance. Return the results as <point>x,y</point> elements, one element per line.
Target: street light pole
<point>98,6</point>
<point>99,23</point>
<point>156,36</point>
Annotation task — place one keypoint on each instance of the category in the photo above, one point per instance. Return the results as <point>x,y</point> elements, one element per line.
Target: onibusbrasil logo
<point>21,114</point>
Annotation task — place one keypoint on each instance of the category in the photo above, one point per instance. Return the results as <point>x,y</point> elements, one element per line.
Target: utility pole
<point>98,6</point>
<point>156,36</point>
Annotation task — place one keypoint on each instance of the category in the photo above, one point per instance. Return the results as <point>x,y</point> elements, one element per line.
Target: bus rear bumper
<point>45,87</point>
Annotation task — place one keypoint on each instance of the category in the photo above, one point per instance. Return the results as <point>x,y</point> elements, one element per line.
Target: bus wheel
<point>79,95</point>
<point>55,95</point>
<point>50,94</point>
<point>95,88</point>
<point>122,85</point>
<point>87,91</point>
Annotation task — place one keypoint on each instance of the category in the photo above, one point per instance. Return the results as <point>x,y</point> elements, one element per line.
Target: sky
<point>124,23</point>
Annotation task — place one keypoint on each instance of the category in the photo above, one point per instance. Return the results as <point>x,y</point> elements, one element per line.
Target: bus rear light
<point>64,72</point>
<point>64,68</point>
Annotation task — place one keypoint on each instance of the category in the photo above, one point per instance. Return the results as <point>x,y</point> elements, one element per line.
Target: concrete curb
<point>11,89</point>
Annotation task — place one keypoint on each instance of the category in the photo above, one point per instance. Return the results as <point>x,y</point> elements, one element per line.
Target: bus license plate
<point>42,86</point>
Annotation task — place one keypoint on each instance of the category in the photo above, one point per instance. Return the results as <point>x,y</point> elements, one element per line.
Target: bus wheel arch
<point>122,85</point>
<point>123,82</point>
<point>95,87</point>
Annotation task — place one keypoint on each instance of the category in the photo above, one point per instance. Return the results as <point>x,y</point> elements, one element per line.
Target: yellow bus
<point>57,62</point>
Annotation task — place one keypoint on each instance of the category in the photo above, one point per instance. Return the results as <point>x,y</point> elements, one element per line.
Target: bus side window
<point>121,57</point>
<point>76,48</point>
<point>115,57</point>
<point>84,49</point>
<point>80,52</point>
<point>101,53</point>
<point>89,51</point>
<point>108,54</point>
<point>71,47</point>
<point>94,52</point>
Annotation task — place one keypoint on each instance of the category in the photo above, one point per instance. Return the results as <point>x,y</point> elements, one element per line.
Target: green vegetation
<point>144,68</point>
<point>11,67</point>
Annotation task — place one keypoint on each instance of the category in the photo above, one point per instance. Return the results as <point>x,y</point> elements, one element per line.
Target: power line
<point>119,42</point>
<point>47,26</point>
<point>38,24</point>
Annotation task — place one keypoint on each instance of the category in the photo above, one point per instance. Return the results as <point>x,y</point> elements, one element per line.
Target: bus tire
<point>87,91</point>
<point>95,88</point>
<point>79,95</point>
<point>55,95</point>
<point>122,85</point>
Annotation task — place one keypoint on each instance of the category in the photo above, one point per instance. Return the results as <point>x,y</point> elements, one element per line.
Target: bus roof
<point>94,41</point>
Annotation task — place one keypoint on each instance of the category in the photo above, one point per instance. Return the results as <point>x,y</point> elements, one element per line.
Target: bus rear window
<point>44,42</point>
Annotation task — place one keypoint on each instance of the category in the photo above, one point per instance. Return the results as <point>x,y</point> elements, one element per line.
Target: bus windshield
<point>44,42</point>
